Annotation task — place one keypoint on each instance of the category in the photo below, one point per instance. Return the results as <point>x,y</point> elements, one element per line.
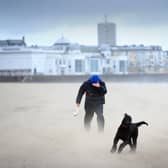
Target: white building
<point>63,58</point>
<point>15,60</point>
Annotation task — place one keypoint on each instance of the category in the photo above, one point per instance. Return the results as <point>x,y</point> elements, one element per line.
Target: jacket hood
<point>94,79</point>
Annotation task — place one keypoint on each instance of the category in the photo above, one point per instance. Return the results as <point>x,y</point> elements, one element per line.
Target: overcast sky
<point>42,22</point>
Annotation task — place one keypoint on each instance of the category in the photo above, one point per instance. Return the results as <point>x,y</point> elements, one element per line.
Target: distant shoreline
<point>142,78</point>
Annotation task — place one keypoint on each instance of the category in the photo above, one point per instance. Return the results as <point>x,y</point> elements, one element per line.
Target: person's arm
<point>102,88</point>
<point>81,91</point>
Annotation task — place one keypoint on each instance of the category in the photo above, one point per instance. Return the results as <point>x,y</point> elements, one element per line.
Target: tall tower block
<point>106,33</point>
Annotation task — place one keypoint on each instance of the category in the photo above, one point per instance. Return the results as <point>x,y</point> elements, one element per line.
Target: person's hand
<point>76,112</point>
<point>96,84</point>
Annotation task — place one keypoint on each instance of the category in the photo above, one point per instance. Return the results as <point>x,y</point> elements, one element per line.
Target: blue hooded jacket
<point>94,79</point>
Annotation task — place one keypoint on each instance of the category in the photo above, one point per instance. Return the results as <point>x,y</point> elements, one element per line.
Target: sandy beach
<point>38,129</point>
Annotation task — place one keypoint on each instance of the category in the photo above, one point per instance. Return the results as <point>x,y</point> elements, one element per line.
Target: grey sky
<point>43,21</point>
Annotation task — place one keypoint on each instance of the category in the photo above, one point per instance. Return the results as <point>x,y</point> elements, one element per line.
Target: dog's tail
<point>141,123</point>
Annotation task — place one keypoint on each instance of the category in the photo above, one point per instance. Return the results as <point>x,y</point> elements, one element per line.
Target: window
<point>79,65</point>
<point>56,62</point>
<point>108,61</point>
<point>94,65</point>
<point>122,66</point>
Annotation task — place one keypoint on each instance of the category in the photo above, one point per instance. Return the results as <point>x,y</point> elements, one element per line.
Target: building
<point>63,58</point>
<point>141,59</point>
<point>15,61</point>
<point>13,42</point>
<point>106,33</point>
<point>66,58</point>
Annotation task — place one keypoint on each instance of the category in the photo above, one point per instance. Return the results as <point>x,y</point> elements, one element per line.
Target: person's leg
<point>122,145</point>
<point>88,116</point>
<point>100,117</point>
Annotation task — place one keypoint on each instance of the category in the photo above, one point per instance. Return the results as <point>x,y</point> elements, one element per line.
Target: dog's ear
<point>125,114</point>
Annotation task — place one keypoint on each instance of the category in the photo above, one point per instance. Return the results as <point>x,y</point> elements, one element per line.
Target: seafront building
<point>142,59</point>
<point>66,58</point>
<point>63,58</point>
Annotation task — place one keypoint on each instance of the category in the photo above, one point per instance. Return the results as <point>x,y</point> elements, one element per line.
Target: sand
<point>38,129</point>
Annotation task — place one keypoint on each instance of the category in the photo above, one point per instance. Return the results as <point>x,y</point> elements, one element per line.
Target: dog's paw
<point>113,150</point>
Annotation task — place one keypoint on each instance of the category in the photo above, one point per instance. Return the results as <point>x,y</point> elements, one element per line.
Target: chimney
<point>23,39</point>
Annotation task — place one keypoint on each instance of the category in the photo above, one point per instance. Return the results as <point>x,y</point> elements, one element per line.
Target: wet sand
<point>38,129</point>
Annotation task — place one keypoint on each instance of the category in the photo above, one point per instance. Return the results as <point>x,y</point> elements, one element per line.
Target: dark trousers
<point>90,109</point>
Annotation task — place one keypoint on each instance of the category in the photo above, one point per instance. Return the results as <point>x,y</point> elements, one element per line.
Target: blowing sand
<point>38,129</point>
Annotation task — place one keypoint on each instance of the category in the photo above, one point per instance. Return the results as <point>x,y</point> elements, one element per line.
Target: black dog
<point>128,133</point>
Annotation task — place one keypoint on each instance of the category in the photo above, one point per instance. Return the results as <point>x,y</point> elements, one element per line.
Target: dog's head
<point>127,119</point>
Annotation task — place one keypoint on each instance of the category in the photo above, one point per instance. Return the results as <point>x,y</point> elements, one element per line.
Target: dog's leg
<point>131,144</point>
<point>134,143</point>
<point>121,147</point>
<point>114,147</point>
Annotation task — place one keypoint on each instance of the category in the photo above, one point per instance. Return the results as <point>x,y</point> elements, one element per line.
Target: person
<point>94,89</point>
